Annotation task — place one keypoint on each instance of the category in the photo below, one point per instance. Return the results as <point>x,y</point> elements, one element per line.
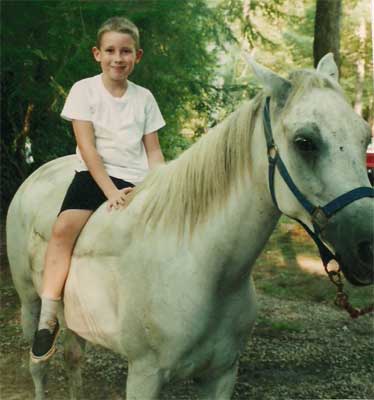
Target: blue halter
<point>320,215</point>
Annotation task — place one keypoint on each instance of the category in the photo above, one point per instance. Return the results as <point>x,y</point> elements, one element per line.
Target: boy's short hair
<point>119,24</point>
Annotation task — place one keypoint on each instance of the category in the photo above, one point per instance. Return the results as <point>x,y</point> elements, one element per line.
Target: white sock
<point>48,313</point>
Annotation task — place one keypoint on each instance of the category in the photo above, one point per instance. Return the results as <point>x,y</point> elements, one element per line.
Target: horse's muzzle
<point>363,274</point>
<point>351,233</point>
<point>358,266</point>
<point>355,277</point>
<point>365,252</point>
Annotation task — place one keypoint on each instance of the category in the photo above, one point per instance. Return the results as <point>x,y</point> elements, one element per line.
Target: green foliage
<point>280,34</point>
<point>258,27</point>
<point>355,13</point>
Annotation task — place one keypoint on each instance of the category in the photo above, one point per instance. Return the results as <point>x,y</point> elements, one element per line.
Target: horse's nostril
<point>365,252</point>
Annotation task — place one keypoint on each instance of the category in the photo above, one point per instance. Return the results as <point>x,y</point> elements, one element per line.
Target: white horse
<point>167,281</point>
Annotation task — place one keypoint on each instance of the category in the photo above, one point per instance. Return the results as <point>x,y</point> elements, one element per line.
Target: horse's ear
<point>328,66</point>
<point>278,87</point>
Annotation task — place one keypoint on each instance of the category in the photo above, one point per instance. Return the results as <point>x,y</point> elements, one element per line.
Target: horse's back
<point>40,196</point>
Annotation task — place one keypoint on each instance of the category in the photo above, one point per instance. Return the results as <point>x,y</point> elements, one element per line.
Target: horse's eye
<point>305,145</point>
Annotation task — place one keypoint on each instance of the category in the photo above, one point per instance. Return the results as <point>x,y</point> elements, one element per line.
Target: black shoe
<point>44,345</point>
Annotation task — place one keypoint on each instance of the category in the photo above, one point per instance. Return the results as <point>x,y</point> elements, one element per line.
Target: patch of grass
<point>270,327</point>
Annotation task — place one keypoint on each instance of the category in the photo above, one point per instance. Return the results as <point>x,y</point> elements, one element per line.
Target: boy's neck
<point>115,88</point>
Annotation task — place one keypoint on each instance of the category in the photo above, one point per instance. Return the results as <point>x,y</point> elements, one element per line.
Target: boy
<point>115,124</point>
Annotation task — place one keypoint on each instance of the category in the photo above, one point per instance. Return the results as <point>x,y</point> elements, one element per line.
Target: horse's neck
<point>240,231</point>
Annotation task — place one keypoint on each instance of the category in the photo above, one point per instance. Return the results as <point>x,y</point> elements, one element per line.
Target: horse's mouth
<point>360,278</point>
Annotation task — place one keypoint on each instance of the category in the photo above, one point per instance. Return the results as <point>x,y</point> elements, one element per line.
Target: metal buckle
<point>272,152</point>
<point>319,218</point>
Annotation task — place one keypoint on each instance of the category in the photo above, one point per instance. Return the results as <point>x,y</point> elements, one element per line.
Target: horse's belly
<point>91,302</point>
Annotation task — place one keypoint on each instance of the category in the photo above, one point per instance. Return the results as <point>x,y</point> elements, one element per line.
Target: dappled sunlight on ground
<point>310,264</point>
<point>314,265</point>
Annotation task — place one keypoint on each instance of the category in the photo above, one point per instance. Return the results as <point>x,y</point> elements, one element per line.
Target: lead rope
<point>341,299</point>
<point>335,276</point>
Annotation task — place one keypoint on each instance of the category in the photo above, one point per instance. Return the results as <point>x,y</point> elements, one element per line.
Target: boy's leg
<point>60,247</point>
<point>57,263</point>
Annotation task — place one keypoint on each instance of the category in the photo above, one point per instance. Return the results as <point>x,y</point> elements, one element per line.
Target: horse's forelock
<point>304,80</point>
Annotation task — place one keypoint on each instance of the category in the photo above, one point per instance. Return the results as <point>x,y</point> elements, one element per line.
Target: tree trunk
<point>327,29</point>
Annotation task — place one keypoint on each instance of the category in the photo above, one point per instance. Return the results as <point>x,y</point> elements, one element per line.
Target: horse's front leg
<point>145,380</point>
<point>39,376</point>
<point>219,386</point>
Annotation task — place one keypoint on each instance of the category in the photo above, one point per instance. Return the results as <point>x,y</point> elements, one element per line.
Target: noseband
<point>319,215</point>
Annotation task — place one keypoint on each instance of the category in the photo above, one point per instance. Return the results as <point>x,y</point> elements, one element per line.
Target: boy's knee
<point>61,230</point>
<point>65,229</point>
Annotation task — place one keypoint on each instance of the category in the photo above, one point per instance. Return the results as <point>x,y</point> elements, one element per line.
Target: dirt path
<point>299,350</point>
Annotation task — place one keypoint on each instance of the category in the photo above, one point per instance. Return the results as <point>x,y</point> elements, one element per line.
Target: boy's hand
<point>118,199</point>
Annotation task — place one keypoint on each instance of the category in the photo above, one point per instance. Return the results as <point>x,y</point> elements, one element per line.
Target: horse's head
<point>322,143</point>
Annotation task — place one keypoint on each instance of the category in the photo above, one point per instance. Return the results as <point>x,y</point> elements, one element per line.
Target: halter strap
<point>347,198</point>
<point>276,161</point>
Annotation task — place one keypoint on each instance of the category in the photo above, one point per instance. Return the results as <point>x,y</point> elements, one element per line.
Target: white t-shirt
<point>119,124</point>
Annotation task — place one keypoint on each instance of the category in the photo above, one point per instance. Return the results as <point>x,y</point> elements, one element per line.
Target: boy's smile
<point>117,56</point>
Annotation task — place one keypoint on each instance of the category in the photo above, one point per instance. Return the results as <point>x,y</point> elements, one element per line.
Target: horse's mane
<point>185,191</point>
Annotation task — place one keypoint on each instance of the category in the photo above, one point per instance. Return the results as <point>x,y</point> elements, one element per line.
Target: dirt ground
<point>298,350</point>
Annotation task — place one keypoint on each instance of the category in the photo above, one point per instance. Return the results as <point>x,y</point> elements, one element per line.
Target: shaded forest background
<point>192,64</point>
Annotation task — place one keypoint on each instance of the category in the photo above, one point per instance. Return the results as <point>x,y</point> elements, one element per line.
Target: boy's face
<point>117,55</point>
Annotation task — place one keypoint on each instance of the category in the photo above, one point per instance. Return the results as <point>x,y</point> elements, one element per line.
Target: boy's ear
<point>96,54</point>
<point>139,55</point>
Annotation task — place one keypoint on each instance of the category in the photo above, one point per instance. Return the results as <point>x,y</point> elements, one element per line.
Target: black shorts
<point>85,194</point>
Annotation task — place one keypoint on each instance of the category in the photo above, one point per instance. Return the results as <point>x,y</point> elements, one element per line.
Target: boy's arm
<point>153,150</point>
<point>85,137</point>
